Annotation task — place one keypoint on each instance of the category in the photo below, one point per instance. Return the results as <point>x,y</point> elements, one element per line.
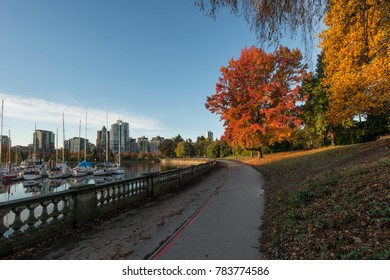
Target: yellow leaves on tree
<point>357,59</point>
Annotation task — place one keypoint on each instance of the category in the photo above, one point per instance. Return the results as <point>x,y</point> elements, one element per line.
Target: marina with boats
<point>44,180</point>
<point>37,176</point>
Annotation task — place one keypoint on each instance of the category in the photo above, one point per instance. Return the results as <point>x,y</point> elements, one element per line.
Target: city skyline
<point>93,139</point>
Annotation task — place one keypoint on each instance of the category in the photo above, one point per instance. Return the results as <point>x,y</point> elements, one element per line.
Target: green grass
<point>329,203</point>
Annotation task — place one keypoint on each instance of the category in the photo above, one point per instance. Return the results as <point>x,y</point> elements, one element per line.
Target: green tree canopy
<point>167,148</point>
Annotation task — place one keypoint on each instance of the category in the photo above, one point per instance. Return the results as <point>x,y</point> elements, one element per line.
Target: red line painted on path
<point>163,249</point>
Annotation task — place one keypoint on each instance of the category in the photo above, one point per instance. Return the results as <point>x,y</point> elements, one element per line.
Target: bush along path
<point>330,203</point>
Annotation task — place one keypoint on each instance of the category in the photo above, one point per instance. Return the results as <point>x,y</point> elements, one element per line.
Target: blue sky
<point>150,63</point>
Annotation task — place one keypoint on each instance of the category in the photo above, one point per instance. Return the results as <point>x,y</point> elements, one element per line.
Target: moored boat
<point>79,171</point>
<point>55,173</point>
<point>117,170</point>
<point>100,169</point>
<point>12,176</point>
<point>31,174</point>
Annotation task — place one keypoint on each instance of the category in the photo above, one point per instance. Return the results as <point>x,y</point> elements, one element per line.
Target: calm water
<point>20,189</point>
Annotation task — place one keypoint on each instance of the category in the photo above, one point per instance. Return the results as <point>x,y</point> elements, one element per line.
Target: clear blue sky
<point>150,63</point>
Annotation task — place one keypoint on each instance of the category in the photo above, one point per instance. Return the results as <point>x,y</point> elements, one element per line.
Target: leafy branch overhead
<point>270,19</point>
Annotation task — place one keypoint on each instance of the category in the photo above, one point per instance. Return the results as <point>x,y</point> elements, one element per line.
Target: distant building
<point>101,139</point>
<point>5,141</point>
<point>209,135</point>
<point>143,144</point>
<point>77,144</point>
<point>43,141</point>
<point>133,145</point>
<point>155,144</point>
<point>119,135</point>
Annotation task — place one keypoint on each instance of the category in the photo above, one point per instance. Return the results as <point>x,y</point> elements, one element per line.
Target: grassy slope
<point>331,203</point>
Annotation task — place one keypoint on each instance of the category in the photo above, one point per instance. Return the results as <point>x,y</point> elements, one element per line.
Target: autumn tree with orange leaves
<point>257,96</point>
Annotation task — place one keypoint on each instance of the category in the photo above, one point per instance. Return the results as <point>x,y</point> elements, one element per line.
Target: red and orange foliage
<point>257,96</point>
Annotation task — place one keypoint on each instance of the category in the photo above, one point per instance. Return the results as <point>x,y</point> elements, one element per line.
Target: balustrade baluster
<point>105,195</point>
<point>114,193</point>
<point>131,188</point>
<point>31,219</point>
<point>101,198</point>
<point>136,187</point>
<point>119,192</point>
<point>44,216</point>
<point>109,194</point>
<point>66,209</point>
<point>125,190</point>
<point>3,228</point>
<point>17,224</point>
<point>55,213</point>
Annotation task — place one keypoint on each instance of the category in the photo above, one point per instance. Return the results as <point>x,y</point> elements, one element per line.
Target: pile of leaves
<point>331,203</point>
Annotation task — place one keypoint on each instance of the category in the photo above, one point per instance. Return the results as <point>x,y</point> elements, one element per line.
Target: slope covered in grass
<point>331,203</point>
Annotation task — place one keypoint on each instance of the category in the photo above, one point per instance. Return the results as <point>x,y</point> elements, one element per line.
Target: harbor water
<point>22,189</point>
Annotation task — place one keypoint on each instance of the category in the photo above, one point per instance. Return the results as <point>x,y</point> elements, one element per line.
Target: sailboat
<point>32,172</point>
<point>7,173</point>
<point>79,171</point>
<point>12,174</point>
<point>105,168</point>
<point>61,169</point>
<point>85,167</point>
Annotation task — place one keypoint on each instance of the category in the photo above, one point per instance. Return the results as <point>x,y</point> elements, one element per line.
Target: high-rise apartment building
<point>209,135</point>
<point>43,141</point>
<point>101,140</point>
<point>77,145</point>
<point>143,144</point>
<point>119,135</point>
<point>155,144</point>
<point>133,145</point>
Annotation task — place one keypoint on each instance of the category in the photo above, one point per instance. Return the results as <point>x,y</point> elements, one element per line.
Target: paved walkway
<point>218,217</point>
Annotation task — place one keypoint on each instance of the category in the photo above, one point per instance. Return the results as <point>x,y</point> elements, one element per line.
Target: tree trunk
<point>332,142</point>
<point>260,153</point>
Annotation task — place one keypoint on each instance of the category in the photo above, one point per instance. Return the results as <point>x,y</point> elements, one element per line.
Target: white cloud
<point>48,114</point>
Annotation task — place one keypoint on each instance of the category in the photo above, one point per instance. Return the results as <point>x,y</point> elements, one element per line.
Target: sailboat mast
<point>35,142</point>
<point>120,128</point>
<point>78,154</point>
<point>63,137</point>
<point>57,146</point>
<point>85,141</point>
<point>1,129</point>
<point>107,139</point>
<point>9,151</point>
